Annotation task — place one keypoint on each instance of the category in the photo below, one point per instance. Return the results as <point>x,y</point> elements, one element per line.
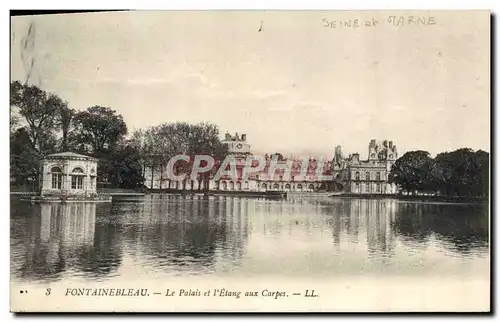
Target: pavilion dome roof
<point>69,155</point>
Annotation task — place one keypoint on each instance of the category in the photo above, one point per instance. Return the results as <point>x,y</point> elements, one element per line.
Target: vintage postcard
<point>250,161</point>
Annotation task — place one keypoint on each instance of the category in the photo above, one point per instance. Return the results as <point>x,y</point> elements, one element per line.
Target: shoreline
<point>283,194</point>
<point>417,198</point>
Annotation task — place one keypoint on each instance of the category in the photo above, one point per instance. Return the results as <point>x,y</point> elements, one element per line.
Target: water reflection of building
<point>374,218</point>
<point>237,227</point>
<point>60,235</point>
<point>67,228</point>
<point>75,222</point>
<point>192,232</point>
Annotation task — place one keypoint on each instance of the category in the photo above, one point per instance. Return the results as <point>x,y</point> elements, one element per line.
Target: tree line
<point>460,173</point>
<point>158,144</point>
<point>41,123</point>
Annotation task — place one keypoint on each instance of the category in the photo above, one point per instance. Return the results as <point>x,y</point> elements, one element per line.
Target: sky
<point>293,81</point>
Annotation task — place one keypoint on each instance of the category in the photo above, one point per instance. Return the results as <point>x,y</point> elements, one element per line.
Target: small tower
<point>392,152</point>
<point>373,150</point>
<point>236,145</point>
<point>338,153</point>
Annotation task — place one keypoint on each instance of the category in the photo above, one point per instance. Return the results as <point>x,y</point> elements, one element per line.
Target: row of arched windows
<point>77,177</point>
<point>368,176</point>
<point>286,187</point>
<point>368,188</point>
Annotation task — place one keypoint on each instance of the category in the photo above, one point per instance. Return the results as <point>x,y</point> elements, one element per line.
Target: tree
<point>14,122</point>
<point>160,143</point>
<point>65,118</point>
<point>24,159</point>
<point>462,172</point>
<point>100,129</point>
<point>40,111</point>
<point>411,171</point>
<point>482,159</point>
<point>125,167</point>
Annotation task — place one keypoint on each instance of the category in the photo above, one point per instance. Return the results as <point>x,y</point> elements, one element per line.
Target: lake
<point>166,237</point>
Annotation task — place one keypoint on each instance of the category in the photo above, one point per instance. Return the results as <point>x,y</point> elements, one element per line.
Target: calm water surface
<point>157,236</point>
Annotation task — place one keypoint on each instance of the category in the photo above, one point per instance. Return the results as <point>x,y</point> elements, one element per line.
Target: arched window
<point>299,187</point>
<point>276,186</point>
<point>238,186</point>
<point>367,176</point>
<point>288,187</point>
<point>357,176</point>
<point>224,185</point>
<point>56,174</point>
<point>263,186</point>
<point>231,185</point>
<point>78,171</point>
<point>77,176</point>
<point>311,187</point>
<point>247,186</point>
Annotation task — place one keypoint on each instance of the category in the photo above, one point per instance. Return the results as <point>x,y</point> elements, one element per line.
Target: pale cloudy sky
<point>295,86</point>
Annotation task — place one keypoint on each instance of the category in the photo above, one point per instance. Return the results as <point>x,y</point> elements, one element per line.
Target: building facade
<point>371,176</point>
<point>261,181</point>
<point>68,174</point>
<point>350,175</point>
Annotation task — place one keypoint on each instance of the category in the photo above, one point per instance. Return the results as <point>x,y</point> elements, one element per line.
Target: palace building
<point>371,176</point>
<point>350,175</point>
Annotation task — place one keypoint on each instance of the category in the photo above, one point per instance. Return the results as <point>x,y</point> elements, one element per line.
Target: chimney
<point>373,143</point>
<point>243,137</point>
<point>385,143</point>
<point>338,152</point>
<point>355,157</point>
<point>390,144</point>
